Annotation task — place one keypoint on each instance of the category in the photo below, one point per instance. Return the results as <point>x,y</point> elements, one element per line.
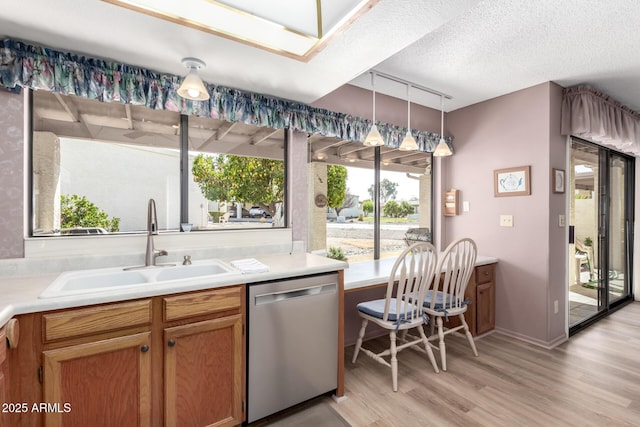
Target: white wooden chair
<point>414,270</point>
<point>583,255</point>
<point>446,299</point>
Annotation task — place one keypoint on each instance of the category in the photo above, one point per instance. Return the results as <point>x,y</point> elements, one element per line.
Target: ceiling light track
<point>411,84</point>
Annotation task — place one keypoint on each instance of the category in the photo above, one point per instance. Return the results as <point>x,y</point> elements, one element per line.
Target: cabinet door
<point>3,397</point>
<point>103,383</point>
<point>4,382</point>
<point>204,373</point>
<point>485,301</point>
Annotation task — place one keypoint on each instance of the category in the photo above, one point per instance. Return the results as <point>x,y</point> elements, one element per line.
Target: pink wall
<point>508,131</point>
<point>11,174</point>
<point>521,128</point>
<point>359,102</point>
<point>558,236</point>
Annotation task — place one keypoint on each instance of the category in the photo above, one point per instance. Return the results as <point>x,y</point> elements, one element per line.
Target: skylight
<point>294,28</point>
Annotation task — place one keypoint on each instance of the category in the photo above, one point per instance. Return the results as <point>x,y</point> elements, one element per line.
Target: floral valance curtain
<point>597,117</point>
<point>41,68</point>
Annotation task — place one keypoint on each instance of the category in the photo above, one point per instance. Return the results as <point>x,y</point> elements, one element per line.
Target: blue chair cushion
<point>439,306</point>
<point>375,308</point>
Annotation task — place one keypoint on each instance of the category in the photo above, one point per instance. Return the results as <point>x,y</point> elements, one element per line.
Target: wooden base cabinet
<point>480,314</point>
<point>172,361</point>
<point>4,382</point>
<point>102,383</point>
<point>204,360</point>
<point>96,365</point>
<point>204,373</point>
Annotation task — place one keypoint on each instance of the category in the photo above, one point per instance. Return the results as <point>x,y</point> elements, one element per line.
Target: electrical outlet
<point>561,218</point>
<point>555,307</point>
<point>506,220</point>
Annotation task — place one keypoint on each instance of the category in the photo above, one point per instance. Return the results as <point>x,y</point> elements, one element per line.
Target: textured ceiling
<point>471,50</point>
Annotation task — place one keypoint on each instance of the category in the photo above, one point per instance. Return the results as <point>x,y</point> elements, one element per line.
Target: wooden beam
<point>208,141</point>
<point>71,109</point>
<point>325,143</point>
<point>223,130</point>
<point>127,110</point>
<point>106,121</point>
<point>263,135</point>
<point>349,148</point>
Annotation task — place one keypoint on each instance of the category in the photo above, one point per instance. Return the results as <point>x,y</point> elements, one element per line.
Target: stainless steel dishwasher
<point>292,342</point>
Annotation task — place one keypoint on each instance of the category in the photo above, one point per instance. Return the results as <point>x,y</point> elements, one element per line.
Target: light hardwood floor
<point>591,380</point>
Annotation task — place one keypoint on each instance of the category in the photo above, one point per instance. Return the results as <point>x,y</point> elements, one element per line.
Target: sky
<point>359,180</point>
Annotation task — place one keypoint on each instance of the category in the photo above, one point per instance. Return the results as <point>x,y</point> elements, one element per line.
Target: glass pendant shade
<point>373,138</point>
<point>192,86</point>
<point>442,149</point>
<point>409,143</point>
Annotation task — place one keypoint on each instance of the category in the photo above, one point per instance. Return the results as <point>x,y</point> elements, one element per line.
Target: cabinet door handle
<point>144,348</point>
<point>171,343</point>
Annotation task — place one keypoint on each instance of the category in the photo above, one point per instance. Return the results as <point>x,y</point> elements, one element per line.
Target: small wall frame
<point>558,180</point>
<point>512,181</point>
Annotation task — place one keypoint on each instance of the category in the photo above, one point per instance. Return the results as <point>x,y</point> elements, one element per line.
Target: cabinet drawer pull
<point>171,343</point>
<point>144,348</point>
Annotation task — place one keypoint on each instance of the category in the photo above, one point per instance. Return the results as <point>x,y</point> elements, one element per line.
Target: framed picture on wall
<point>512,181</point>
<point>558,180</point>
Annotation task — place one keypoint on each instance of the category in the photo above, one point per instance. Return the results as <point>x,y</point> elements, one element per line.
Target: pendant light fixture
<point>373,138</point>
<point>408,143</point>
<point>192,86</point>
<point>442,150</point>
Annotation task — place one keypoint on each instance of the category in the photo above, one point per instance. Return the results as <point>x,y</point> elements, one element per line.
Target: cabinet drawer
<point>3,348</point>
<point>484,273</point>
<point>93,320</point>
<point>201,303</point>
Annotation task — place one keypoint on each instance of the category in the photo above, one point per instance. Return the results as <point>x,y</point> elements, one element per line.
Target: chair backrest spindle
<point>456,265</point>
<point>410,278</point>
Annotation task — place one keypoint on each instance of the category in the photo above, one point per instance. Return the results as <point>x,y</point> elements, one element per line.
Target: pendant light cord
<point>373,87</point>
<point>441,117</point>
<point>408,110</point>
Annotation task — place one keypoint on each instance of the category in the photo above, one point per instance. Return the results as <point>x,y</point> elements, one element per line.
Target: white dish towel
<point>250,266</point>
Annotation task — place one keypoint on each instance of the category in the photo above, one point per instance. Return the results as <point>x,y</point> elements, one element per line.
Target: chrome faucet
<point>152,229</point>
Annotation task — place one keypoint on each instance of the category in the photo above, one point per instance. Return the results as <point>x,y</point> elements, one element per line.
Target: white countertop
<point>363,274</point>
<point>20,295</point>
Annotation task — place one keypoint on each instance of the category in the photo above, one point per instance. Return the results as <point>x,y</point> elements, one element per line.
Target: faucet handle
<point>187,260</point>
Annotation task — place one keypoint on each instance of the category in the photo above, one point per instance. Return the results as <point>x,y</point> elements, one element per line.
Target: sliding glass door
<point>601,215</point>
<point>619,256</point>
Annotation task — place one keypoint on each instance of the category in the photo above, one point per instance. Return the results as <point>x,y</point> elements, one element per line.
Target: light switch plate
<point>465,206</point>
<point>506,220</point>
<point>561,218</point>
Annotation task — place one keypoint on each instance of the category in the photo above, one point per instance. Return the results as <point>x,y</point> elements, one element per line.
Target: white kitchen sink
<point>212,268</point>
<point>102,280</point>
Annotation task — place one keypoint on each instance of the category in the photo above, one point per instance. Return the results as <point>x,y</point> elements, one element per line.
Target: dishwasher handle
<point>274,297</point>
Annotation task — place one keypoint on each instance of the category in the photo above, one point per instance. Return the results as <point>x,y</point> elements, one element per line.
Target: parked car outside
<point>257,212</point>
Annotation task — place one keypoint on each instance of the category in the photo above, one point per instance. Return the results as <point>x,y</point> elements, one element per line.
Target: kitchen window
<point>96,164</point>
<point>347,226</point>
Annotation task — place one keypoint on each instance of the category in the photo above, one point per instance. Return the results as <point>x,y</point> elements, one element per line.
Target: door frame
<point>603,222</point>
